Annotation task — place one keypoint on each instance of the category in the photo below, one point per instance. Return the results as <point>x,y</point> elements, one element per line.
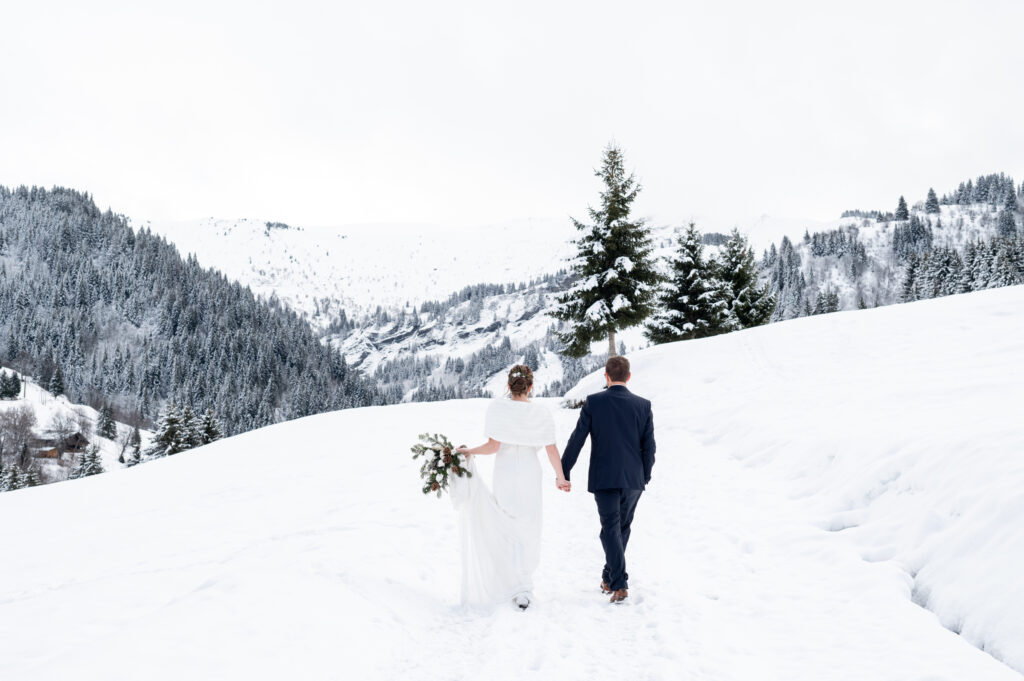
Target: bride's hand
<point>563,484</point>
<point>464,450</point>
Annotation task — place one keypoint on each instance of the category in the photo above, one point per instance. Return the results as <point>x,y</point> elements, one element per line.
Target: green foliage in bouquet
<point>440,461</point>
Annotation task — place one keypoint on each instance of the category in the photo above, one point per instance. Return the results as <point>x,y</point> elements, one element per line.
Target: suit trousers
<point>616,508</point>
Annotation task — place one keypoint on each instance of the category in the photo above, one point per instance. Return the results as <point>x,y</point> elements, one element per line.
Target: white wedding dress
<point>500,530</point>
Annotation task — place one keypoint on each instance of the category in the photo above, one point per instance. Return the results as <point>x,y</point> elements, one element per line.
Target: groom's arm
<point>647,446</point>
<point>576,440</point>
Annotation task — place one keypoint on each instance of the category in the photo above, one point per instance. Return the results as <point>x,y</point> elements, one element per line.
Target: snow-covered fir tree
<point>190,435</point>
<point>902,212</point>
<point>748,302</point>
<point>135,454</point>
<point>10,385</point>
<point>56,385</point>
<point>931,204</point>
<point>210,428</point>
<point>1007,216</point>
<point>691,304</point>
<point>616,280</point>
<point>87,463</point>
<point>105,424</point>
<point>168,437</point>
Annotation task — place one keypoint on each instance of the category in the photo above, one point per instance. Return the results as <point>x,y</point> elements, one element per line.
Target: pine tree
<point>88,463</point>
<point>56,386</point>
<point>5,386</point>
<point>1004,270</point>
<point>617,282</point>
<point>1007,221</point>
<point>8,478</point>
<point>136,442</point>
<point>902,212</point>
<point>691,305</point>
<point>747,303</point>
<point>190,435</point>
<point>167,439</point>
<point>105,424</point>
<point>210,428</point>
<point>931,205</point>
<point>910,280</point>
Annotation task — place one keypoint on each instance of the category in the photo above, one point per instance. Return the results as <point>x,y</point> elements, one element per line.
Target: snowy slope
<point>881,282</point>
<point>46,407</point>
<point>899,431</point>
<point>304,550</point>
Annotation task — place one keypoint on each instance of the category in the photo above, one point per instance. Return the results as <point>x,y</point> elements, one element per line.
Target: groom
<point>621,428</point>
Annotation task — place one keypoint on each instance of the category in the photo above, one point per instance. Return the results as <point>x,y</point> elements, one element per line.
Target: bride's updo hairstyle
<point>520,380</point>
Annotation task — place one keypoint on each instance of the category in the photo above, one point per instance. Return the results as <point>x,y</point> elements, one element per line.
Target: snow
<point>901,435</point>
<point>598,312</point>
<point>307,545</point>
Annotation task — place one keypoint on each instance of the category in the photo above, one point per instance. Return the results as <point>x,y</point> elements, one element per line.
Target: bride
<point>500,531</point>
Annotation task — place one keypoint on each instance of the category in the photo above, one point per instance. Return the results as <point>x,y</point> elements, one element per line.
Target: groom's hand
<point>563,484</point>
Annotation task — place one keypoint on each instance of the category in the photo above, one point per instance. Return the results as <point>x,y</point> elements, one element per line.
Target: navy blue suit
<point>621,429</point>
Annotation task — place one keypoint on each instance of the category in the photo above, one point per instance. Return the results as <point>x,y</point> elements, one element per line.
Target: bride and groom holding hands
<point>500,528</point>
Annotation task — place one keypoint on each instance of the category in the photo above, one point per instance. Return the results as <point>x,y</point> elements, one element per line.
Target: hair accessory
<point>516,374</point>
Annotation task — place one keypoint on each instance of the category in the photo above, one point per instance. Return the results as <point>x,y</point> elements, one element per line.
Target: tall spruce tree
<point>210,428</point>
<point>747,303</point>
<point>902,212</point>
<point>105,424</point>
<point>617,282</point>
<point>168,438</point>
<point>135,440</point>
<point>931,205</point>
<point>56,385</point>
<point>1007,221</point>
<point>691,302</point>
<point>88,463</point>
<point>190,435</point>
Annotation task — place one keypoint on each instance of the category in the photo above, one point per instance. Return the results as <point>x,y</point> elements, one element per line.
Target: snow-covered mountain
<point>319,270</point>
<point>850,513</point>
<point>435,312</point>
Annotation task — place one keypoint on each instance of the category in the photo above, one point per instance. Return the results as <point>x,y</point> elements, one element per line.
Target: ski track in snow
<point>304,550</point>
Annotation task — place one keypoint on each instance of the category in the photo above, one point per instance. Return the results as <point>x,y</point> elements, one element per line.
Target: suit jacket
<point>621,429</point>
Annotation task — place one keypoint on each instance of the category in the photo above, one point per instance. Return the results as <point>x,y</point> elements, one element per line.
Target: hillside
<point>828,502</point>
<point>128,321</point>
<point>47,411</point>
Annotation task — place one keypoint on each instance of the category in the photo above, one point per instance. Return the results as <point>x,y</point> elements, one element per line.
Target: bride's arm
<point>489,447</point>
<point>556,463</point>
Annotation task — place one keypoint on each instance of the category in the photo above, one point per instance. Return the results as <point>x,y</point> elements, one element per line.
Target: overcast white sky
<point>340,112</point>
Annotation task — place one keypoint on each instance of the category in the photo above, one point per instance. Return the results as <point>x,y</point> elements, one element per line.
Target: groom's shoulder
<point>646,403</point>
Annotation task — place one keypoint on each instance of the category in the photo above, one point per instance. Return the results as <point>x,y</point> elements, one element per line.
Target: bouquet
<point>440,461</point>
